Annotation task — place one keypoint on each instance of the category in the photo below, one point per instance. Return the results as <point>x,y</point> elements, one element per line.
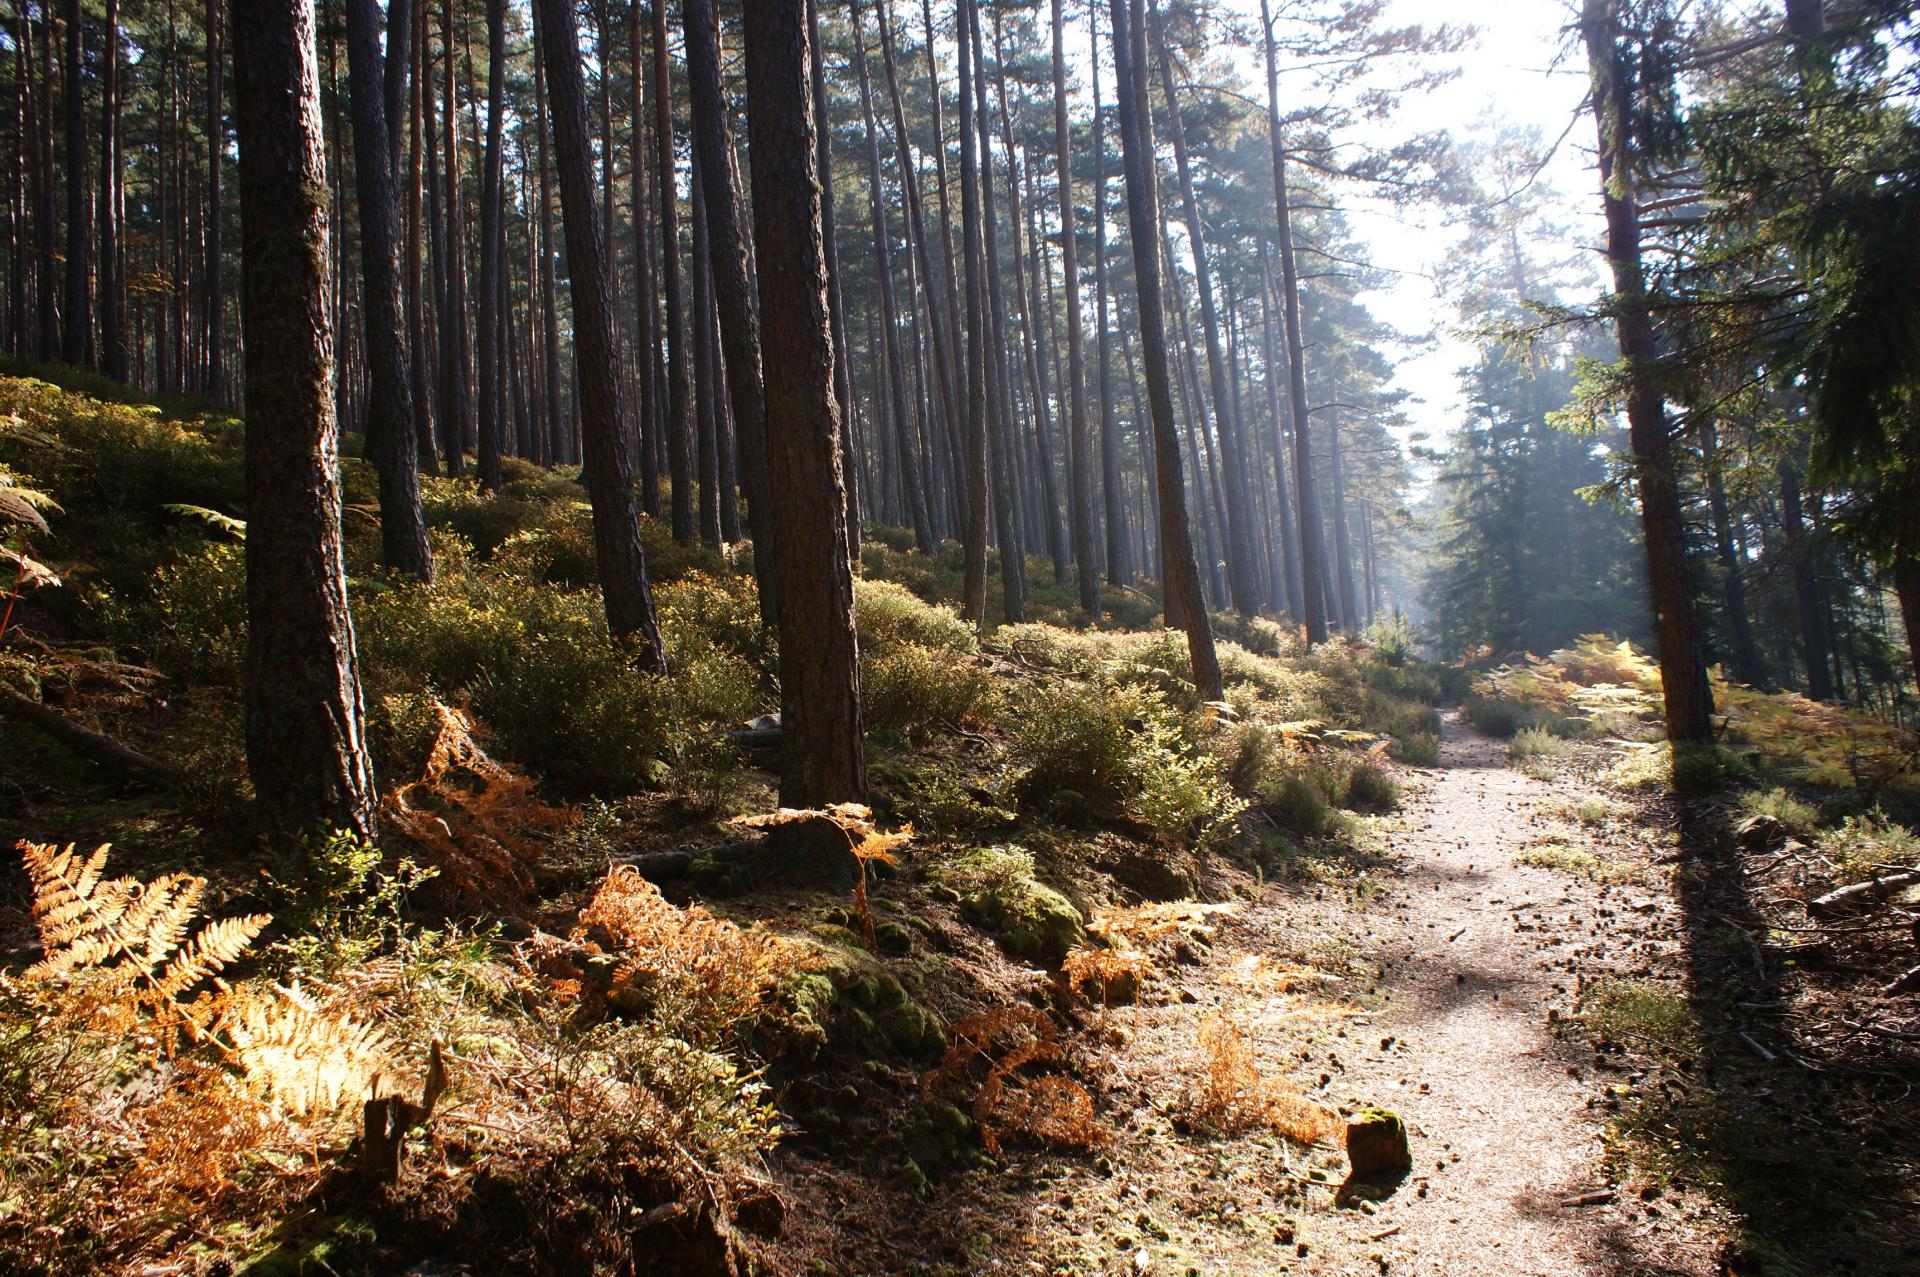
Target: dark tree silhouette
<point>305,722</point>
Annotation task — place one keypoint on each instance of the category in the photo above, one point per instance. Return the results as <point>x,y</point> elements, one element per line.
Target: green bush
<point>1297,805</point>
<point>193,624</point>
<point>1535,742</point>
<point>886,614</point>
<point>1117,749</point>
<point>1422,749</point>
<point>1367,788</point>
<point>908,687</point>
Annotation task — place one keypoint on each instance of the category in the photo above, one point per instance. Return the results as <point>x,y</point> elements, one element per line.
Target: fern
<point>235,528</point>
<point>135,939</point>
<point>307,1058</point>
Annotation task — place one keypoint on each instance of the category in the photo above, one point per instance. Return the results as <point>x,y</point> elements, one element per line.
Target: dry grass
<point>1232,1094</point>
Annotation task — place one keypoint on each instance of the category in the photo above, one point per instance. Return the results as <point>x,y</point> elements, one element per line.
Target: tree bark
<point>76,345</point>
<point>1080,499</point>
<point>679,423</point>
<point>1689,698</point>
<point>305,722</point>
<point>403,532</point>
<point>492,258</point>
<point>456,414</point>
<point>732,288</point>
<point>608,465</point>
<point>1312,555</point>
<point>1112,482</point>
<point>842,360</point>
<point>1182,574</point>
<point>113,337</point>
<point>822,757</point>
<point>1742,654</point>
<point>894,374</point>
<point>974,585</point>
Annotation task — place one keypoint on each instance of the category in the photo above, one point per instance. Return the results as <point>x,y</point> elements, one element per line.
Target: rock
<point>1377,1144</point>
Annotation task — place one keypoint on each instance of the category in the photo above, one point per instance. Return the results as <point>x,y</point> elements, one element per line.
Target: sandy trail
<point>1508,1176</point>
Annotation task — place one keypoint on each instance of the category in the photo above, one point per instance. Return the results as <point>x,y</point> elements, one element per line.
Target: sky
<point>1511,72</point>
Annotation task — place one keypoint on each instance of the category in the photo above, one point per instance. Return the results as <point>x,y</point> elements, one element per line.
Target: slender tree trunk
<point>608,465</point>
<point>1182,574</point>
<point>648,368</point>
<point>492,259</point>
<point>706,376</point>
<point>1806,586</point>
<point>420,359</point>
<point>1112,482</point>
<point>113,338</point>
<point>1342,528</point>
<point>1744,657</point>
<point>679,385</point>
<point>1312,555</point>
<point>822,756</point>
<point>305,720</point>
<point>403,532</point>
<point>1242,581</point>
<point>842,360</point>
<point>1689,698</point>
<point>732,287</point>
<point>557,450</point>
<point>893,375</point>
<point>456,417</point>
<point>974,586</point>
<point>1289,545</point>
<point>1080,503</point>
<point>77,340</point>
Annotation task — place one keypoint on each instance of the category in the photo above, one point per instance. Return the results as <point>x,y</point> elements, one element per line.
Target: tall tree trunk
<point>1742,654</point>
<point>894,374</point>
<point>1288,530</point>
<point>679,386</point>
<point>732,288</point>
<point>305,720</point>
<point>213,373</point>
<point>1312,554</point>
<point>821,752</point>
<point>1182,574</point>
<point>1342,527</point>
<point>456,416</point>
<point>492,197</point>
<point>557,450</point>
<point>76,345</point>
<point>1080,499</point>
<point>1242,581</point>
<point>403,531</point>
<point>1806,586</point>
<point>113,337</point>
<point>45,216</point>
<point>648,368</point>
<point>974,585</point>
<point>1689,698</point>
<point>608,465</point>
<point>706,374</point>
<point>842,359</point>
<point>420,359</point>
<point>1112,482</point>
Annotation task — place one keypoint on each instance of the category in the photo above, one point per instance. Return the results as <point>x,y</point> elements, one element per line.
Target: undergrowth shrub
<point>1863,846</point>
<point>1099,748</point>
<point>1422,749</point>
<point>912,688</point>
<point>1368,788</point>
<point>1297,805</point>
<point>886,614</point>
<point>1535,742</point>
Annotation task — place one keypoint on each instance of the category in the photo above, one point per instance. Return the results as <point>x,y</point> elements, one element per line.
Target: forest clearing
<point>1102,637</point>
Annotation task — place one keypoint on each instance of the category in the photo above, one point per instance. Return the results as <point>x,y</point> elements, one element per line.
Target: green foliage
<point>1535,742</point>
<point>1801,819</point>
<point>1297,805</point>
<point>1367,788</point>
<point>911,688</point>
<point>193,624</point>
<point>1422,749</point>
<point>1117,749</point>
<point>887,614</point>
<point>1000,892</point>
<point>1862,846</point>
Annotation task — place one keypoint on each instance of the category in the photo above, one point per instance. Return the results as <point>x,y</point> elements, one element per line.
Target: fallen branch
<point>1861,895</point>
<point>103,751</point>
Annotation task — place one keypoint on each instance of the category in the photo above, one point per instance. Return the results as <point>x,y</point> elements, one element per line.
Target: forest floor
<point>1437,984</point>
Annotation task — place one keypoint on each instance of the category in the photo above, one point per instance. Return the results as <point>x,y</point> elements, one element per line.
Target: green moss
<point>999,893</point>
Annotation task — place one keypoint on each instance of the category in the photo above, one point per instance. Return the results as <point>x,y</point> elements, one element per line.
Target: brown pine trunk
<point>732,287</point>
<point>648,369</point>
<point>842,360</point>
<point>974,585</point>
<point>1080,461</point>
<point>305,723</point>
<point>1182,574</point>
<point>113,337</point>
<point>419,362</point>
<point>608,466</point>
<point>1808,611</point>
<point>1689,698</point>
<point>1312,555</point>
<point>679,358</point>
<point>492,196</point>
<point>1112,481</point>
<point>557,451</point>
<point>1242,581</point>
<point>456,397</point>
<point>893,375</point>
<point>1288,530</point>
<point>76,344</point>
<point>822,757</point>
<point>403,532</point>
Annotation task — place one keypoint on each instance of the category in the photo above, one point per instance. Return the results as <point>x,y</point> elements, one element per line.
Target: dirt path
<point>1508,1175</point>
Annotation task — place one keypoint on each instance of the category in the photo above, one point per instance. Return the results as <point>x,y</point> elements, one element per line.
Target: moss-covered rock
<point>935,1137</point>
<point>1000,893</point>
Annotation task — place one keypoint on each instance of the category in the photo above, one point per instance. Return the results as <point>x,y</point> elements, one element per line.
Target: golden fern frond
<point>217,945</point>
<point>162,928</point>
<point>305,1057</point>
